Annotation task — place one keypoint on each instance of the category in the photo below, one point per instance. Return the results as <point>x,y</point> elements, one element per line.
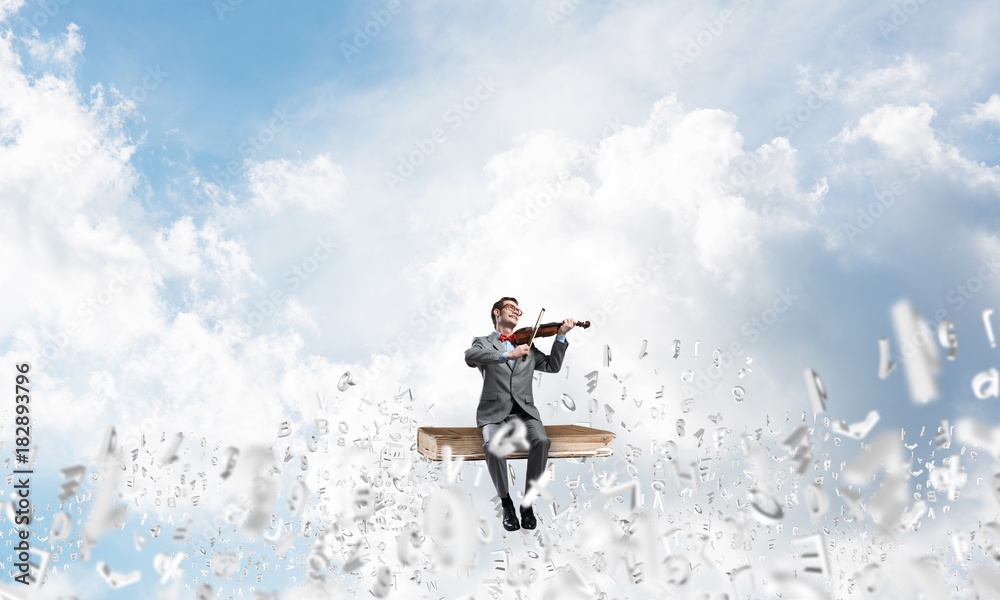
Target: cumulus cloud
<point>670,227</point>
<point>316,185</point>
<point>986,112</point>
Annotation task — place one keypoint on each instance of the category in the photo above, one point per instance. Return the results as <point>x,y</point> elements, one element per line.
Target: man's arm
<point>552,362</point>
<point>480,354</point>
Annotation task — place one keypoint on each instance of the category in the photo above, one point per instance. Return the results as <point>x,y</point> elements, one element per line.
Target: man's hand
<point>567,324</point>
<point>518,352</point>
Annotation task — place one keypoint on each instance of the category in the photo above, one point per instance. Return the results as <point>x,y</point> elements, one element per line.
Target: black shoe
<point>528,520</point>
<point>510,518</point>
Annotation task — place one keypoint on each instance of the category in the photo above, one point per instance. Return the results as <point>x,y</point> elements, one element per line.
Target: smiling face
<point>507,314</point>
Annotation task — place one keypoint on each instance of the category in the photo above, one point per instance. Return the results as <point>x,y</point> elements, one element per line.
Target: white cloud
<point>672,228</point>
<point>904,82</point>
<point>986,112</point>
<point>317,185</point>
<point>59,52</point>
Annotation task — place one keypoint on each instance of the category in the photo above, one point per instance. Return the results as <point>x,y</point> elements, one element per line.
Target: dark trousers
<point>538,452</point>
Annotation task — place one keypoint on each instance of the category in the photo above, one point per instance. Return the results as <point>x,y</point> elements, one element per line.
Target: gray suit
<point>507,393</point>
<point>503,386</point>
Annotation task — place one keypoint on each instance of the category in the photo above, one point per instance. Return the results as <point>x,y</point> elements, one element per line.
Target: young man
<point>507,395</point>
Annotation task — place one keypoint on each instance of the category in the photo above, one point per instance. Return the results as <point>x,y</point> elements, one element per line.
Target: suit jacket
<point>503,386</point>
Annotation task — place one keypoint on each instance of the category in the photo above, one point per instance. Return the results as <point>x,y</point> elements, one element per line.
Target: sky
<point>246,245</point>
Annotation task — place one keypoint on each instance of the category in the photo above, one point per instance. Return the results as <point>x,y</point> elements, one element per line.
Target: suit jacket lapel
<point>495,340</point>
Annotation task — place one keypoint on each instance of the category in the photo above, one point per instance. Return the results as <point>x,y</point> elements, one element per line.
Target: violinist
<point>507,369</point>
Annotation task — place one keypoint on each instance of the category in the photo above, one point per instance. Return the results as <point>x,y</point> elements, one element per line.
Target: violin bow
<point>533,332</point>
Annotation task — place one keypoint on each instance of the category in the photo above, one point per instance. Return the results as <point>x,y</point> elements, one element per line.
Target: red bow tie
<point>507,338</point>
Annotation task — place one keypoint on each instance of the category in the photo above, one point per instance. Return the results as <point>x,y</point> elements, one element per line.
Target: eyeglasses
<point>513,309</point>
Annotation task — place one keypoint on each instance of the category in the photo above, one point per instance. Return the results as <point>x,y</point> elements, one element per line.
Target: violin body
<point>525,334</point>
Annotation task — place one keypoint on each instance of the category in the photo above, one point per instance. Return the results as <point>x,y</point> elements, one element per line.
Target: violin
<point>525,335</point>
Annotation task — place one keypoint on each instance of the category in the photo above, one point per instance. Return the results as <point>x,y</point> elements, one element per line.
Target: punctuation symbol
<point>169,566</point>
<point>746,367</point>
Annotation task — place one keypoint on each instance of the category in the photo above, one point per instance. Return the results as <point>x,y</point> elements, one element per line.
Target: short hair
<point>497,305</point>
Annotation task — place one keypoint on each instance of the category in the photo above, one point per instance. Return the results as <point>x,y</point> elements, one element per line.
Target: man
<point>507,396</point>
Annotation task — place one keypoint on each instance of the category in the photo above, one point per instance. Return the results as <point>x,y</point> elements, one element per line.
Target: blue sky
<point>211,215</point>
